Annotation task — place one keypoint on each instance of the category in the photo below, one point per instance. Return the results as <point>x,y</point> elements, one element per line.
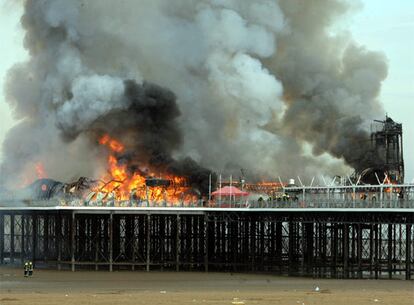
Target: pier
<point>330,238</point>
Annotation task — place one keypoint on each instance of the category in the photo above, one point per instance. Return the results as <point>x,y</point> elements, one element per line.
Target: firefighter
<point>26,269</point>
<point>30,269</point>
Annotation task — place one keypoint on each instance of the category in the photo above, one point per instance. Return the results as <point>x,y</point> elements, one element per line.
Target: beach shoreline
<point>123,287</point>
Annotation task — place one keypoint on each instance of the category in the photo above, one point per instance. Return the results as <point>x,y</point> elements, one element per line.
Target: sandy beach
<point>83,287</point>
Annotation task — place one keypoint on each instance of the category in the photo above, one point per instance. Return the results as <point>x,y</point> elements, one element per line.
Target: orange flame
<point>122,184</point>
<point>388,181</point>
<point>113,144</point>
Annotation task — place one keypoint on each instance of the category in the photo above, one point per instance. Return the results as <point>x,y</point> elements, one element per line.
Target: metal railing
<point>290,204</point>
<point>309,197</point>
<point>334,204</point>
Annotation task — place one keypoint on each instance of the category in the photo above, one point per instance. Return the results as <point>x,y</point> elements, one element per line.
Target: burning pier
<point>258,97</point>
<point>138,218</point>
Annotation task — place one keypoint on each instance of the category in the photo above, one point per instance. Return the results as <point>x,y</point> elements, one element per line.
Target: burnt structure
<point>388,143</point>
<point>386,160</point>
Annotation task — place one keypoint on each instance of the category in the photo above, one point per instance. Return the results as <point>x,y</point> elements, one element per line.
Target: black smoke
<point>150,132</point>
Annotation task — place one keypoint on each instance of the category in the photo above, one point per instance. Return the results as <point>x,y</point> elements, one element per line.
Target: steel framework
<point>329,243</point>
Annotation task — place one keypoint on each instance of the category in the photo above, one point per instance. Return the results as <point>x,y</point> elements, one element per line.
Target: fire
<point>113,144</point>
<point>32,172</point>
<point>121,184</point>
<point>388,181</point>
<point>40,171</point>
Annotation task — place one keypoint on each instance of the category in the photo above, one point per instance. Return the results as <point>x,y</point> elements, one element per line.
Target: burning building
<point>385,161</point>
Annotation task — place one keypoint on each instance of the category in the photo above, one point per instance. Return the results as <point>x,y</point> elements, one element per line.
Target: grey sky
<point>11,52</point>
<point>389,26</point>
<point>380,25</point>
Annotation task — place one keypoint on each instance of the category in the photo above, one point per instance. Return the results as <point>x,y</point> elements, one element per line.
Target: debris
<point>237,302</point>
<point>163,291</point>
<point>317,289</point>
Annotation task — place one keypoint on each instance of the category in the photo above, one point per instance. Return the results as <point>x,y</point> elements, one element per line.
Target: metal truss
<point>329,244</point>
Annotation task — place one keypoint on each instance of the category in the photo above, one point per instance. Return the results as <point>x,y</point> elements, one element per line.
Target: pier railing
<point>334,203</point>
<point>309,197</point>
<point>290,204</point>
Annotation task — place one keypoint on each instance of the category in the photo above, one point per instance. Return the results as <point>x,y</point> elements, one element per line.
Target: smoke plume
<point>331,86</point>
<point>262,85</point>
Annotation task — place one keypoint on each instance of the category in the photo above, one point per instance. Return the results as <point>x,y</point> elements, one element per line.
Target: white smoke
<point>253,80</point>
<point>92,97</point>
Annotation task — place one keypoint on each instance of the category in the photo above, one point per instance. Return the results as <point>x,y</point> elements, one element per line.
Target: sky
<point>11,51</point>
<point>386,26</point>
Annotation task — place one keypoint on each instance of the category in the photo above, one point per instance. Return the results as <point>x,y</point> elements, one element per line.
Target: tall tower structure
<point>387,142</point>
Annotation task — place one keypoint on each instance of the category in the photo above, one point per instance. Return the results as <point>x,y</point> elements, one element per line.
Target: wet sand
<point>127,288</point>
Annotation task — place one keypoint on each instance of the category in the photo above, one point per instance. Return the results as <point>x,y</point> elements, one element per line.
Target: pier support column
<point>45,237</point>
<point>359,250</point>
<point>292,248</point>
<point>308,255</point>
<point>134,241</point>
<point>58,239</point>
<point>12,225</point>
<point>177,244</point>
<point>345,237</point>
<point>73,242</point>
<point>129,239</point>
<point>34,237</point>
<point>205,242</point>
<point>252,243</point>
<point>377,257</point>
<point>116,233</point>
<point>323,244</point>
<point>389,251</point>
<point>334,250</point>
<point>279,245</point>
<point>96,233</point>
<point>148,242</point>
<point>380,253</point>
<point>408,242</point>
<point>23,236</point>
<point>1,239</point>
<point>261,239</point>
<point>111,241</point>
<point>371,250</point>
